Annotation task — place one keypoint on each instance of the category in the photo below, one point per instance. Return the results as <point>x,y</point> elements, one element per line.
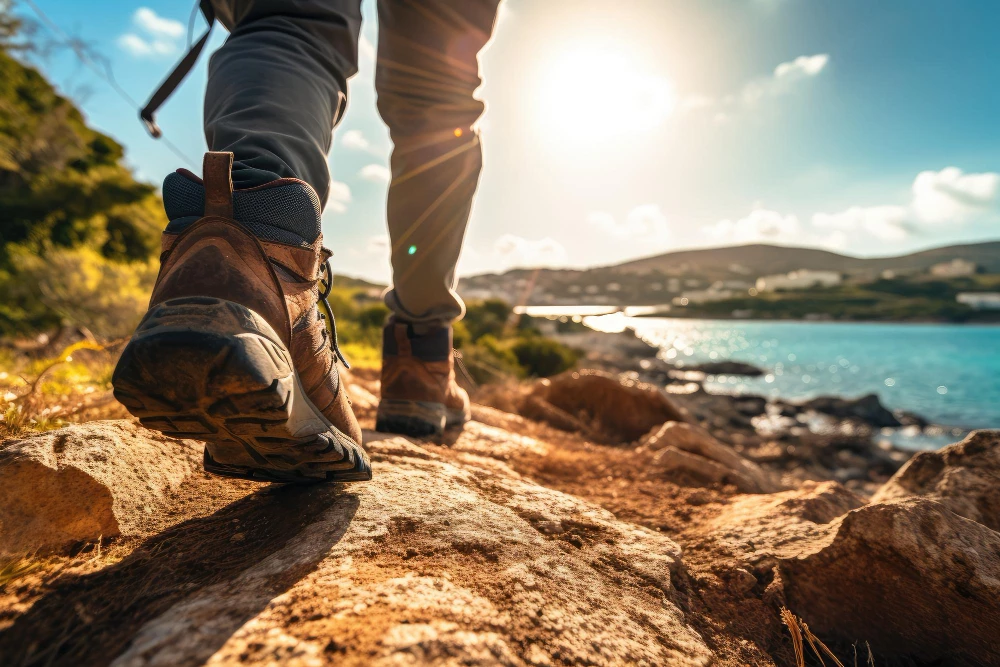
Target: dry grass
<point>15,568</point>
<point>39,394</point>
<point>799,630</point>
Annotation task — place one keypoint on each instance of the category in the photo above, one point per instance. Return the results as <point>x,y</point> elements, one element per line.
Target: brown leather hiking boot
<point>234,350</point>
<point>420,396</point>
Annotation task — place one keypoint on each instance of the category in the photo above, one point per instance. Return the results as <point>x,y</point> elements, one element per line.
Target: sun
<point>589,93</point>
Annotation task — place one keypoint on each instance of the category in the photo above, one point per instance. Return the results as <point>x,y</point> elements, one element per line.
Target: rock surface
<point>757,527</point>
<point>867,408</point>
<point>454,555</point>
<point>434,561</point>
<point>911,577</point>
<point>87,481</point>
<point>614,409</point>
<point>682,446</point>
<point>964,477</point>
<point>727,368</point>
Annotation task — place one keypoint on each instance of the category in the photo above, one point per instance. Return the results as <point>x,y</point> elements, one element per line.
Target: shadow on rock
<point>90,619</point>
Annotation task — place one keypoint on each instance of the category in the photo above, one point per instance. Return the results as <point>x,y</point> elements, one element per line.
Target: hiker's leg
<point>278,86</point>
<point>426,73</point>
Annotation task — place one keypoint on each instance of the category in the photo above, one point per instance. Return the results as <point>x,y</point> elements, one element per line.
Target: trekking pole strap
<point>166,89</point>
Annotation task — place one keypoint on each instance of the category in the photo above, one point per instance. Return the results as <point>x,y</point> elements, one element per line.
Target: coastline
<point>829,437</point>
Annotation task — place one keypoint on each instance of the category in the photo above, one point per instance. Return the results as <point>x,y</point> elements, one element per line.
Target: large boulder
<point>964,477</point>
<point>910,577</point>
<point>761,527</point>
<point>85,482</point>
<point>615,409</point>
<point>727,367</point>
<point>437,560</point>
<point>867,409</point>
<point>684,447</point>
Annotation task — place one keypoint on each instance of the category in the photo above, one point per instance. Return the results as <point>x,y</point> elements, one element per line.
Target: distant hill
<point>655,280</point>
<point>759,259</point>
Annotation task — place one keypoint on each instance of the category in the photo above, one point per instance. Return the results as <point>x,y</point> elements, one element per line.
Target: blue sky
<point>617,130</point>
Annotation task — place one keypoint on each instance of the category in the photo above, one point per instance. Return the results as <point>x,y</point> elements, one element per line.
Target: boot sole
<point>418,419</point>
<point>213,370</point>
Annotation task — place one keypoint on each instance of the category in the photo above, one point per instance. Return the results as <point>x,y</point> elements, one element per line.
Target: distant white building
<point>980,300</point>
<point>738,285</point>
<point>478,294</point>
<point>702,296</point>
<point>801,279</point>
<point>956,268</point>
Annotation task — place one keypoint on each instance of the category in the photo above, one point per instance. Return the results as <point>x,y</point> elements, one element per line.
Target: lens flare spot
<point>458,131</point>
<point>411,250</point>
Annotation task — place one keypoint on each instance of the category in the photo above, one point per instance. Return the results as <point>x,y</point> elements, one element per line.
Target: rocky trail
<point>530,538</point>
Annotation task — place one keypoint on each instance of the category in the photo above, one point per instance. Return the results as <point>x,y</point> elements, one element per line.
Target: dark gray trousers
<point>278,86</point>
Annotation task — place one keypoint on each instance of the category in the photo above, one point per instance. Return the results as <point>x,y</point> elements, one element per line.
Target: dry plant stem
<point>814,640</point>
<point>793,628</point>
<point>797,627</point>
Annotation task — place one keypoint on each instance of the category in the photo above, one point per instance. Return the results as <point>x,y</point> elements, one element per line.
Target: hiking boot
<point>238,348</point>
<point>420,396</point>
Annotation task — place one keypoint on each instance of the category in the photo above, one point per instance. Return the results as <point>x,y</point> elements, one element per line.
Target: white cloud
<point>376,173</point>
<point>340,197</point>
<point>952,196</point>
<point>645,222</point>
<point>158,36</point>
<point>760,225</point>
<point>938,197</point>
<point>946,196</point>
<point>138,46</point>
<point>355,140</point>
<point>157,26</point>
<point>889,223</point>
<point>516,251</point>
<point>801,67</point>
<point>786,77</point>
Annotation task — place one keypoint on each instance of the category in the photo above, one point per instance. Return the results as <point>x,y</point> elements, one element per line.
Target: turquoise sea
<point>950,374</point>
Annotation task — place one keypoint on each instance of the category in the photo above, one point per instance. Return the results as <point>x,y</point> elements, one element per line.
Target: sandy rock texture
<point>512,543</point>
<point>611,408</point>
<point>761,527</point>
<point>964,477</point>
<point>914,579</point>
<point>689,448</point>
<point>435,561</point>
<point>84,482</point>
<point>910,576</point>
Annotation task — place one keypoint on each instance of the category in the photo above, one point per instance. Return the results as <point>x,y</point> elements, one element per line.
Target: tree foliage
<point>64,188</point>
<point>62,183</point>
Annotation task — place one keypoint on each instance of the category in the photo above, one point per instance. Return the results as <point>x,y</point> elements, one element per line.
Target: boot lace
<point>326,312</point>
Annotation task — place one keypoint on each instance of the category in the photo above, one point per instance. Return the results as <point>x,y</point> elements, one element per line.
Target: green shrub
<point>79,287</point>
<point>487,317</point>
<point>373,316</point>
<point>542,357</point>
<point>489,360</point>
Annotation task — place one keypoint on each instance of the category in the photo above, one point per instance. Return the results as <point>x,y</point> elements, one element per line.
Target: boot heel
<point>419,419</point>
<point>213,370</point>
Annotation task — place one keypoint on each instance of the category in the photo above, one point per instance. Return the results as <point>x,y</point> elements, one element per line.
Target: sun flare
<point>588,93</point>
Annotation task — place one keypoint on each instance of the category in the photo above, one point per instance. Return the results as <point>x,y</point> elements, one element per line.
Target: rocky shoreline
<point>824,438</point>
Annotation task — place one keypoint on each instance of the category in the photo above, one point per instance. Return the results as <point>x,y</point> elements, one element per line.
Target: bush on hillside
<point>542,357</point>
<point>74,286</point>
